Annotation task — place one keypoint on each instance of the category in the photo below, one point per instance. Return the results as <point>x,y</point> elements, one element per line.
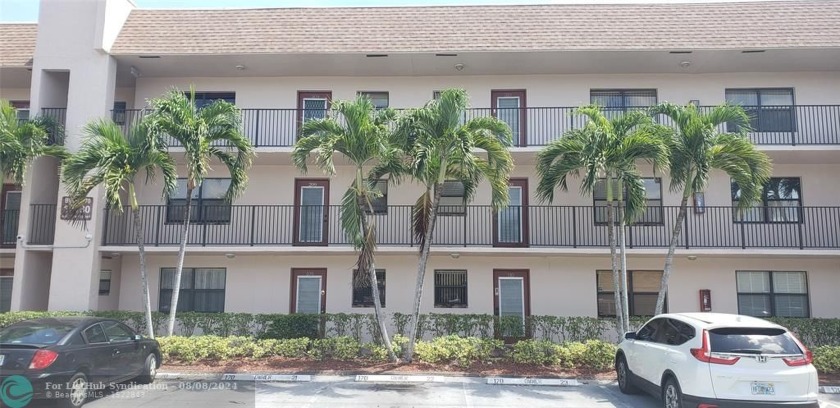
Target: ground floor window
<point>6,278</point>
<point>202,289</point>
<point>105,283</point>
<point>772,293</point>
<point>642,293</point>
<point>450,288</point>
<point>363,291</point>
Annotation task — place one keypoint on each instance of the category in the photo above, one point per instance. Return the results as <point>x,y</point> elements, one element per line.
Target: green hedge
<point>827,359</point>
<point>361,327</point>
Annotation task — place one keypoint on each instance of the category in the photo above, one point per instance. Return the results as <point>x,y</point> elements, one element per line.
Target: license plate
<point>763,388</point>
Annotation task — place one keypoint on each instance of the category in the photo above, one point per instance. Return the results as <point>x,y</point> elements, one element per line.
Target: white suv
<point>707,360</point>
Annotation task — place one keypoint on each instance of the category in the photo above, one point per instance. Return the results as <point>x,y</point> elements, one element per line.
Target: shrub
<point>599,355</point>
<point>827,359</point>
<point>538,352</point>
<point>339,348</point>
<point>290,326</point>
<point>458,350</point>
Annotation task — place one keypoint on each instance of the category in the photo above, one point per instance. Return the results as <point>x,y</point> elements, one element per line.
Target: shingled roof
<point>740,25</point>
<point>17,44</point>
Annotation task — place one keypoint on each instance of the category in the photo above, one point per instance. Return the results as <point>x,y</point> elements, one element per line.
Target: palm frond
<point>420,217</point>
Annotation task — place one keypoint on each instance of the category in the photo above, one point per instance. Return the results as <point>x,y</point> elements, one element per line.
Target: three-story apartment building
<point>279,247</point>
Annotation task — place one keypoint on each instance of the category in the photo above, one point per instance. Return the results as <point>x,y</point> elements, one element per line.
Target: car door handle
<point>116,351</point>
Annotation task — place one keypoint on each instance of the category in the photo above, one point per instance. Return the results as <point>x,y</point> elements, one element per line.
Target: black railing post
<point>203,233</point>
<point>105,227</point>
<point>157,226</point>
<point>801,221</point>
<point>466,214</point>
<point>743,233</point>
<point>257,132</point>
<point>685,229</point>
<point>574,227</point>
<point>253,222</point>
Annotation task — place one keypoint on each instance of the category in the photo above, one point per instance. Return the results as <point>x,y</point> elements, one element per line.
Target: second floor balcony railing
<point>9,224</point>
<point>480,226</point>
<point>771,125</point>
<point>41,224</point>
<point>59,117</point>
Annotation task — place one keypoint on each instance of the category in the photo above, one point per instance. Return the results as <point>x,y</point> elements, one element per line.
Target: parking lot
<point>333,391</point>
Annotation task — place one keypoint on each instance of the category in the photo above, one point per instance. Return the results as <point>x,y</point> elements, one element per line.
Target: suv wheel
<point>622,372</point>
<point>671,394</point>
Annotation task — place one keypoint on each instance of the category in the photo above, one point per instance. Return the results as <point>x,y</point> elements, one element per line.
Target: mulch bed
<point>279,365</point>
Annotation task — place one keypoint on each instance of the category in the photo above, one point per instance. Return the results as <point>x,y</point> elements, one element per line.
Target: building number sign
<point>84,213</point>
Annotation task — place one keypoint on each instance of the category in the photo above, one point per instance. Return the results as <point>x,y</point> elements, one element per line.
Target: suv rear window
<point>34,333</point>
<point>752,340</point>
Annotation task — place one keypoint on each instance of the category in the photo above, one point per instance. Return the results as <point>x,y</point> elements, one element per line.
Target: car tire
<point>624,377</point>
<point>149,370</point>
<point>672,394</point>
<point>77,391</point>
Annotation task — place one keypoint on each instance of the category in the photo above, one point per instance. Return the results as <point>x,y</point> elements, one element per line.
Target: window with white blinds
<point>773,293</point>
<point>202,289</point>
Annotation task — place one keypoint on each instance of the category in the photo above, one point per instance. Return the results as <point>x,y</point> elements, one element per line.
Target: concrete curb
<point>381,378</point>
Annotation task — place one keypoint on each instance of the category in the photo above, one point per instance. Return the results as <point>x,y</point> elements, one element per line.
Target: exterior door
<point>309,290</point>
<point>311,211</point>
<point>509,106</point>
<point>511,223</point>
<point>512,303</point>
<point>9,214</point>
<point>312,105</point>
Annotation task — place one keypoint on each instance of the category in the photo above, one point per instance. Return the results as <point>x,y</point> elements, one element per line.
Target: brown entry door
<point>309,290</point>
<point>509,106</point>
<point>311,211</point>
<point>510,227</point>
<point>512,303</point>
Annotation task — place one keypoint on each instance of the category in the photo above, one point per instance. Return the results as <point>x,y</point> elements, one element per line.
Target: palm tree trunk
<point>619,314</point>
<point>362,201</point>
<point>182,252</point>
<point>625,297</point>
<point>421,273</point>
<point>672,248</point>
<point>141,247</point>
<point>377,305</point>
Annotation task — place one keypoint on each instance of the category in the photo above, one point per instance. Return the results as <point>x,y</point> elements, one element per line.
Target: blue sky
<point>27,10</point>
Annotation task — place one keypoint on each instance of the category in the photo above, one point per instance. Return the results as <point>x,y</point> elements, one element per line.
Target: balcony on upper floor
<point>9,221</point>
<point>782,125</point>
<point>58,117</point>
<point>42,219</point>
<point>480,226</point>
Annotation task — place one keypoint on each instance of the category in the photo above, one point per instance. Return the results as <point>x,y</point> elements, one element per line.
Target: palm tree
<point>205,133</point>
<point>361,135</point>
<point>113,160</point>
<point>22,141</point>
<point>696,148</point>
<point>440,146</point>
<point>606,151</point>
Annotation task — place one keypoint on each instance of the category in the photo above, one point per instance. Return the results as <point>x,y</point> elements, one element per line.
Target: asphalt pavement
<point>335,391</point>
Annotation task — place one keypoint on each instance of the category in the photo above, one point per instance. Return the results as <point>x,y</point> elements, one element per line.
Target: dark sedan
<point>71,359</point>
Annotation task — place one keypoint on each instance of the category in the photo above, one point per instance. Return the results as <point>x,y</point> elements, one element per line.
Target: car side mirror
<point>138,337</point>
<point>630,335</point>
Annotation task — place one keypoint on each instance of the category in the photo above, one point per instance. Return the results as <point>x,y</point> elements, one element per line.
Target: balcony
<point>9,221</point>
<point>41,224</point>
<point>773,125</point>
<point>479,226</point>
<point>59,117</point>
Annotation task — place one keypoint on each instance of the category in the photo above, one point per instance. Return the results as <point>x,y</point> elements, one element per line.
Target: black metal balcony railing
<point>772,125</point>
<point>534,226</point>
<point>59,116</point>
<point>9,223</point>
<point>41,224</point>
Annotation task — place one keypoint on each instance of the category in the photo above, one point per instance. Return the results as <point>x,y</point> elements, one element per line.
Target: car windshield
<point>752,341</point>
<point>37,333</point>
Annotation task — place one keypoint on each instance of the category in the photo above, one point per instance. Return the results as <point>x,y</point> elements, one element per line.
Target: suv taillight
<point>806,358</point>
<point>42,359</point>
<point>704,353</point>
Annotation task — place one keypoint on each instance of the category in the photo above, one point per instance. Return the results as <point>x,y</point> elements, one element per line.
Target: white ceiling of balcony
<point>520,63</point>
